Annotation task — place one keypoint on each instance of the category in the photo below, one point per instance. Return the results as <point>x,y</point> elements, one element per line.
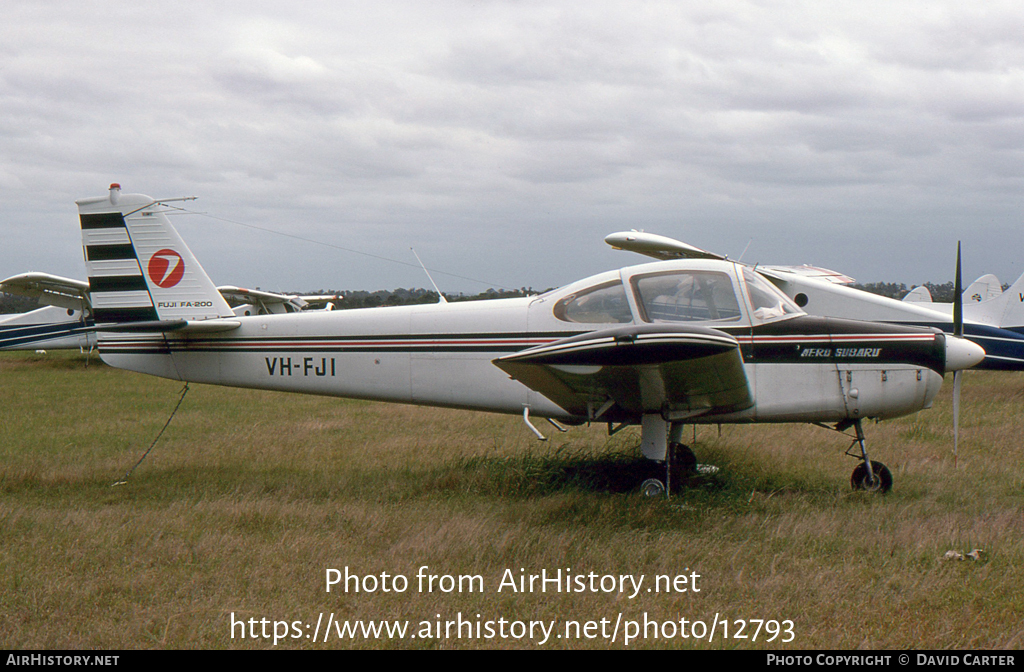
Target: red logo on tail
<point>166,268</point>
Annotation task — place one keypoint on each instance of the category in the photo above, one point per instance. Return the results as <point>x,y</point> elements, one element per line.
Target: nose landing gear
<point>869,475</point>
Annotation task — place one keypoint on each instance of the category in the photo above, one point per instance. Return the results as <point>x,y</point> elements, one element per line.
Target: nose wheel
<point>869,475</point>
<point>878,479</point>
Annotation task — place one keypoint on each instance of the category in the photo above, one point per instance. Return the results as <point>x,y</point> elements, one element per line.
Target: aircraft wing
<point>52,290</point>
<point>658,247</point>
<point>231,293</point>
<point>321,299</point>
<point>807,271</point>
<point>624,372</point>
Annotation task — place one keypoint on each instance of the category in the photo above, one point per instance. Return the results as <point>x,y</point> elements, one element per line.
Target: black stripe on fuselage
<point>103,220</point>
<point>506,335</point>
<point>109,252</point>
<point>383,343</point>
<point>811,339</point>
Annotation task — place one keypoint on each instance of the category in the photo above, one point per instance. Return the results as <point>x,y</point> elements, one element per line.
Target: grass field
<point>250,497</point>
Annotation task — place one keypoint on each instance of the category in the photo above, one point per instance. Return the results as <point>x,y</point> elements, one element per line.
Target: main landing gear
<point>869,475</point>
<point>680,464</point>
<point>661,442</point>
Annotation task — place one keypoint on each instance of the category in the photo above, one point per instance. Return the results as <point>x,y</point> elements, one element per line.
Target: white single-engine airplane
<point>658,345</point>
<point>50,327</point>
<point>63,322</point>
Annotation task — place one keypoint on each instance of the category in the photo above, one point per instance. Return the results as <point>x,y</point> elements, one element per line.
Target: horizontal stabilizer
<point>177,326</point>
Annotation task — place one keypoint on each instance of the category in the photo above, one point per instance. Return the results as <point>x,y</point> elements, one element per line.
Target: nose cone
<point>962,354</point>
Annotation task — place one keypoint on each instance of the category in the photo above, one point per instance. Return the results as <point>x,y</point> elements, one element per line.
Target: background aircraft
<point>657,345</point>
<point>66,320</point>
<point>259,302</point>
<point>47,328</point>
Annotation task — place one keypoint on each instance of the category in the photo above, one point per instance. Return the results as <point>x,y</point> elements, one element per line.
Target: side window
<point>603,304</point>
<point>690,296</point>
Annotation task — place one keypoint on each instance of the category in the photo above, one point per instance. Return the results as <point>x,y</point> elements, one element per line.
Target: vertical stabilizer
<point>1006,310</point>
<point>139,268</point>
<point>983,289</point>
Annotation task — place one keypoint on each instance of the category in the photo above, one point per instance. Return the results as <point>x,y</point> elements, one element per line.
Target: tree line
<point>940,293</point>
<point>417,296</point>
<point>10,303</point>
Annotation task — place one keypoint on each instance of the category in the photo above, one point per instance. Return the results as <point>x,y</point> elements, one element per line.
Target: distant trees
<point>405,297</point>
<point>890,289</point>
<point>9,303</point>
<point>940,293</point>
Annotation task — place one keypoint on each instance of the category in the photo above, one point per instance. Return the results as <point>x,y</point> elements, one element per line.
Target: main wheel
<point>652,487</point>
<point>881,483</point>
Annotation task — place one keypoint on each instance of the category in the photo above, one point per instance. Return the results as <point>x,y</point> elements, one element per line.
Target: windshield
<point>766,302</point>
<point>686,296</point>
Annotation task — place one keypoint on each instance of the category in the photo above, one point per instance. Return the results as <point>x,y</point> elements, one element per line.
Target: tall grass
<point>249,497</point>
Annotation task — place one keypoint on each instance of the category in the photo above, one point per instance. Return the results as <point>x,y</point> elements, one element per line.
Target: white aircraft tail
<point>1006,310</point>
<point>983,289</point>
<point>139,268</point>
<point>919,294</point>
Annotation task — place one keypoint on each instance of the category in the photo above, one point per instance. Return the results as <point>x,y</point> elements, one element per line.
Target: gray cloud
<point>504,139</point>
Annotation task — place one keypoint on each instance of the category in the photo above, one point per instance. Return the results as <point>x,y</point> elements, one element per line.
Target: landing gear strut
<point>869,475</point>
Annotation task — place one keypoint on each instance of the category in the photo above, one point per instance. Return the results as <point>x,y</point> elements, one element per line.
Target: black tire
<point>683,459</point>
<point>652,487</point>
<point>883,478</point>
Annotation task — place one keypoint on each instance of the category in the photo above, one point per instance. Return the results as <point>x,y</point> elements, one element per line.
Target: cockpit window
<point>687,296</point>
<point>603,304</point>
<point>767,302</point>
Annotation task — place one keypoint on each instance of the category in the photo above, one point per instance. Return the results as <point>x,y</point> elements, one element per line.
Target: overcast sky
<point>504,140</point>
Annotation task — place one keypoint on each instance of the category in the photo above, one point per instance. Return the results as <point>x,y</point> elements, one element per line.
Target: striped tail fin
<point>139,268</point>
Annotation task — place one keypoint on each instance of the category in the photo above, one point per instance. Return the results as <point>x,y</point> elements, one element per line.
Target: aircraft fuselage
<point>801,368</point>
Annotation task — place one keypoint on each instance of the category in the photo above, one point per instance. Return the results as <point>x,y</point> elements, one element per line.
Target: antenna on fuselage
<point>745,249</point>
<point>439,294</point>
